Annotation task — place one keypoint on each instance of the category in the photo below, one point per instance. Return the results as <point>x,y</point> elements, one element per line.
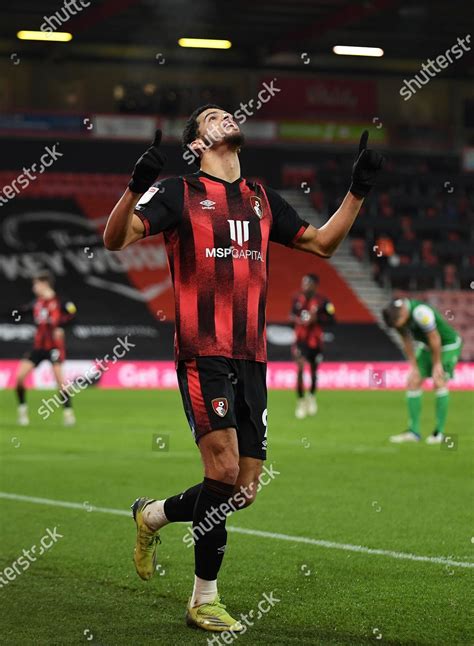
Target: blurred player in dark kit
<point>310,313</point>
<point>50,316</point>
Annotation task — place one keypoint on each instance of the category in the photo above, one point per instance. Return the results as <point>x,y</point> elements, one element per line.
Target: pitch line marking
<point>347,547</point>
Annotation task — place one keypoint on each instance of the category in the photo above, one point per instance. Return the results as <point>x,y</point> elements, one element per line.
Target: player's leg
<point>449,359</point>
<point>24,368</point>
<point>300,410</point>
<point>414,395</point>
<point>247,485</point>
<point>220,457</point>
<point>69,418</point>
<point>208,398</point>
<point>311,403</point>
<point>180,508</point>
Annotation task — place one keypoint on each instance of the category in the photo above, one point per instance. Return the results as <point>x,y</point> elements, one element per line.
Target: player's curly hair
<point>190,131</point>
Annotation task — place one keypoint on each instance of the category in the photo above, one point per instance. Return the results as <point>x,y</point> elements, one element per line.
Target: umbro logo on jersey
<point>239,231</point>
<point>257,206</point>
<point>207,204</point>
<point>220,406</point>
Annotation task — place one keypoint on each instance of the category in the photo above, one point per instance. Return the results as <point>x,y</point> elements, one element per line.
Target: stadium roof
<point>263,33</point>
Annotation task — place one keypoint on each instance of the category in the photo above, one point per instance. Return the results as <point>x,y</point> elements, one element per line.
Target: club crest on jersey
<point>257,206</point>
<point>220,406</point>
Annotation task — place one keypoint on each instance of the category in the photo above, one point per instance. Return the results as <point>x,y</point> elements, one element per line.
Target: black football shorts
<point>37,355</point>
<point>218,393</point>
<point>313,355</point>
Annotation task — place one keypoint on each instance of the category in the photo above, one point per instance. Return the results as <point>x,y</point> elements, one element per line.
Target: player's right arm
<point>295,311</point>
<point>408,348</point>
<point>123,226</point>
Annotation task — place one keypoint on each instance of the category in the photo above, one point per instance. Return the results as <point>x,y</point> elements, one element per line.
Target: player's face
<point>40,287</point>
<point>307,285</point>
<point>218,126</point>
<point>402,317</point>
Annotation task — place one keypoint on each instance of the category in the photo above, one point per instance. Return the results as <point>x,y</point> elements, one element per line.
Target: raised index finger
<point>157,139</point>
<point>363,141</point>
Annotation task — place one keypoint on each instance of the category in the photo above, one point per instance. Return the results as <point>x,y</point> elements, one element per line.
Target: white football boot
<point>435,439</point>
<point>408,436</point>
<point>69,419</point>
<point>311,404</point>
<point>301,411</point>
<point>23,419</point>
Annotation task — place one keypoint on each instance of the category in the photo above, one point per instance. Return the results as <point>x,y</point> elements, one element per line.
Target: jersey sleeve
<point>55,313</point>
<point>161,207</point>
<point>326,312</point>
<point>424,318</point>
<point>68,313</point>
<point>287,226</point>
<point>295,306</point>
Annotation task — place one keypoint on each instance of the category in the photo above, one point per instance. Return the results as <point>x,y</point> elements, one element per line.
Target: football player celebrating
<point>435,353</point>
<point>310,312</point>
<point>49,316</point>
<point>217,228</point>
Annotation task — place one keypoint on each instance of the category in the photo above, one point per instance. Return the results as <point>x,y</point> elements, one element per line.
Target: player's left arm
<point>434,341</point>
<point>325,240</point>
<point>326,313</point>
<point>67,314</point>
<point>425,319</point>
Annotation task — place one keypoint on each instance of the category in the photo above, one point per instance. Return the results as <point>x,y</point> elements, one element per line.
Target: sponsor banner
<point>257,130</point>
<point>19,122</point>
<point>360,375</point>
<point>254,129</point>
<point>309,97</point>
<point>329,132</point>
<point>124,127</point>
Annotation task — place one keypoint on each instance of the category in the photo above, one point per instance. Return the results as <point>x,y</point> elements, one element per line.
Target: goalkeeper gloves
<point>365,169</point>
<point>148,167</point>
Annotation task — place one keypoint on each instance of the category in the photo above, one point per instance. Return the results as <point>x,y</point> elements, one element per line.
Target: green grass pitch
<point>339,481</point>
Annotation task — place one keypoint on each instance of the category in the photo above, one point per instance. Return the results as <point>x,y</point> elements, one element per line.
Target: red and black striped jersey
<point>310,314</point>
<point>217,235</point>
<point>48,315</point>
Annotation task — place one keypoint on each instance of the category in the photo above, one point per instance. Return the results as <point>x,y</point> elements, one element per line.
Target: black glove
<point>365,169</point>
<point>148,167</point>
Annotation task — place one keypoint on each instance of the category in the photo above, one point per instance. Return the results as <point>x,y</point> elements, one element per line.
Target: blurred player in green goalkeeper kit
<point>433,349</point>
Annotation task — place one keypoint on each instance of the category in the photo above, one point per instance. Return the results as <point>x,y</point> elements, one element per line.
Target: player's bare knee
<point>222,466</point>
<point>249,493</point>
<point>225,471</point>
<point>414,383</point>
<point>439,384</point>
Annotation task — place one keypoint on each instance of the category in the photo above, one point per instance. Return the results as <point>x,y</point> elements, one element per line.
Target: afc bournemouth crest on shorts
<point>220,406</point>
<point>257,205</point>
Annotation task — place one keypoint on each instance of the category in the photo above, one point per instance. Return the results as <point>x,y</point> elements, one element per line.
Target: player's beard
<point>235,140</point>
